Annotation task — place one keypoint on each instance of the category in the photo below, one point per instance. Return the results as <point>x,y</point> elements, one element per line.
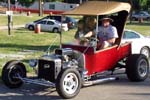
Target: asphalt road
<point>121,89</point>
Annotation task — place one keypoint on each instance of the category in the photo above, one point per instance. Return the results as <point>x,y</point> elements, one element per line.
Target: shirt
<point>107,33</point>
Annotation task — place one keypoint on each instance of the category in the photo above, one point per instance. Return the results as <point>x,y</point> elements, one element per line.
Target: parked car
<point>140,44</point>
<point>74,66</point>
<point>142,14</point>
<point>48,25</point>
<point>71,22</point>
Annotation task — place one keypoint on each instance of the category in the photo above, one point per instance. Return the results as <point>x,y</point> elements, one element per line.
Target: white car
<point>140,44</point>
<point>48,25</point>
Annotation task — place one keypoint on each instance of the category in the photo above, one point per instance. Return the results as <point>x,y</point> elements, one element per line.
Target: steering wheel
<point>91,40</point>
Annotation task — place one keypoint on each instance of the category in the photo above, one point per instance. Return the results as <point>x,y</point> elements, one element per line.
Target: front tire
<point>68,83</point>
<point>137,67</point>
<point>10,72</point>
<point>31,27</point>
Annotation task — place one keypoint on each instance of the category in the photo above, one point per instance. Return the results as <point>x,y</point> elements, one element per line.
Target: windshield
<point>73,35</point>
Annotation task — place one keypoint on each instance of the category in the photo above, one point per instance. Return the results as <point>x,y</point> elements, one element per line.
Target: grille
<point>46,70</point>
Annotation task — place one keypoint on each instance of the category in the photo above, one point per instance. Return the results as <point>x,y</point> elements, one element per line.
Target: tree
<point>26,3</point>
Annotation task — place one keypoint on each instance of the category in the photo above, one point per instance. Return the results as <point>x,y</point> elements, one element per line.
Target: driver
<point>86,29</point>
<point>107,34</point>
<point>80,32</point>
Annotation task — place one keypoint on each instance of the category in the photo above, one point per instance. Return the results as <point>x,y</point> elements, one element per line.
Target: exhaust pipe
<point>94,82</point>
<point>37,81</point>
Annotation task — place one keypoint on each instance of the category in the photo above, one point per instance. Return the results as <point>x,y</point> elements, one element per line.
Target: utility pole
<point>40,7</point>
<point>9,19</point>
<point>80,1</point>
<point>131,2</point>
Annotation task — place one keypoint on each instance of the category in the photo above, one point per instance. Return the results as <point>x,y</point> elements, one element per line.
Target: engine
<point>49,66</point>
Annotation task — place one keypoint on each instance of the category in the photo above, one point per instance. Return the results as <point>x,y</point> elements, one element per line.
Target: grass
<point>18,20</point>
<point>143,28</point>
<point>22,40</point>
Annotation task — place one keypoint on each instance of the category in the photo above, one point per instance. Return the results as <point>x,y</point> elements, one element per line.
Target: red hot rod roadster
<point>73,66</point>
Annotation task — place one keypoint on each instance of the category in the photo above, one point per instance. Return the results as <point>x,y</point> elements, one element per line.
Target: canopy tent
<point>99,8</point>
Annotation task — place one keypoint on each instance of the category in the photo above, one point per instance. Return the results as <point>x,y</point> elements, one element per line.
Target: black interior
<point>119,22</point>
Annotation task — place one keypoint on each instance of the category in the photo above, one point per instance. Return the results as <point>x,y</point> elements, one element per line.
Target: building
<point>48,7</point>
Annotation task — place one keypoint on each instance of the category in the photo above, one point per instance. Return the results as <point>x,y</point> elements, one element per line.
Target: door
<point>50,25</point>
<point>43,25</point>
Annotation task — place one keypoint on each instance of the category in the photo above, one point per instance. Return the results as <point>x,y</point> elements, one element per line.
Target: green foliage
<point>137,4</point>
<point>26,3</point>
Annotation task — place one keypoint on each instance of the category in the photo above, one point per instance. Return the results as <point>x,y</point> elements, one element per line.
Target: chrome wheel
<point>70,83</point>
<point>142,70</point>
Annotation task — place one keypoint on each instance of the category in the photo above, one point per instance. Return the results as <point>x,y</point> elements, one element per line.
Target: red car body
<point>102,60</point>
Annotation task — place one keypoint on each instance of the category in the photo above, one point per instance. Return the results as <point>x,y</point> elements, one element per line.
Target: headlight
<point>33,62</point>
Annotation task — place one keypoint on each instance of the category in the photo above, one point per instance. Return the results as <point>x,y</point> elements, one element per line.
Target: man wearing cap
<point>107,33</point>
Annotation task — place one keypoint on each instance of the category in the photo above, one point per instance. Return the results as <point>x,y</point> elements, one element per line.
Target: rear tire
<point>10,72</point>
<point>55,30</point>
<point>137,67</point>
<point>68,83</point>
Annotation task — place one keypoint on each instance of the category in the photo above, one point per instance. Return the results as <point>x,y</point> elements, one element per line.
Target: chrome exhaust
<point>94,82</point>
<point>37,82</point>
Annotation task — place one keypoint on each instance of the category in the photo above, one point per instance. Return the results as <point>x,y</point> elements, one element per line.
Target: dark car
<point>142,14</point>
<point>72,23</point>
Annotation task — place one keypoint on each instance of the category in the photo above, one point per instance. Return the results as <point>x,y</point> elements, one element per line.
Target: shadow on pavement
<point>28,92</point>
<point>35,92</point>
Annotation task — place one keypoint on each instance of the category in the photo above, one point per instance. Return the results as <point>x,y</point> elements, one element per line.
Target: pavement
<point>121,89</point>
